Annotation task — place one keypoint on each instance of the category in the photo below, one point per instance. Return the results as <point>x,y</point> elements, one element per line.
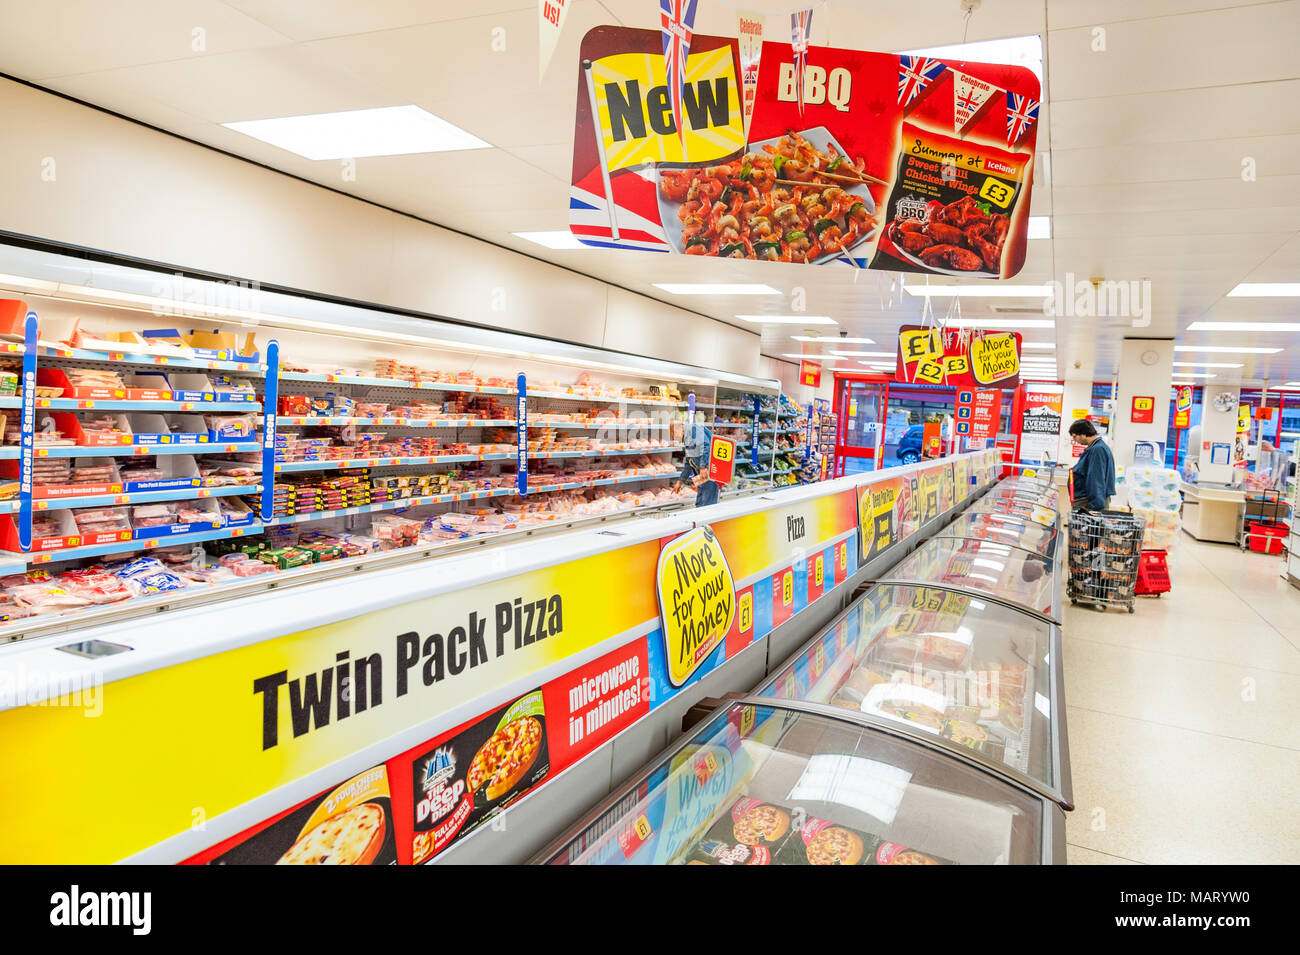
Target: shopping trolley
<point>1105,550</point>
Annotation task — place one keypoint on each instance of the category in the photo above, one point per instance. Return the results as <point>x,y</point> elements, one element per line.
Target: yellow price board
<point>746,612</point>
<point>818,574</point>
<point>787,588</point>
<point>994,358</point>
<point>997,192</point>
<point>697,600</point>
<point>920,345</point>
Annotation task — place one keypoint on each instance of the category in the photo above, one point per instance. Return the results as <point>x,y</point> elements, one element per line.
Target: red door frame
<point>840,390</point>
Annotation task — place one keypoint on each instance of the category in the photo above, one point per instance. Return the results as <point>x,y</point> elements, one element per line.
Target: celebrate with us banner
<point>815,155</point>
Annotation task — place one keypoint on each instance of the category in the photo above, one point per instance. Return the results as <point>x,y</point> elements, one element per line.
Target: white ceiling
<point>1141,145</point>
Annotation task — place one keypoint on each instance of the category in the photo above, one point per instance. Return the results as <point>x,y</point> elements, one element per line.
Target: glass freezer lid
<point>1008,573</point>
<point>972,675</point>
<point>1005,529</point>
<point>762,785</point>
<point>1042,514</point>
<point>1031,495</point>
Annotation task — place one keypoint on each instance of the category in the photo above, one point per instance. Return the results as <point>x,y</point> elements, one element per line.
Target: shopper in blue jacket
<point>1094,475</point>
<point>695,470</point>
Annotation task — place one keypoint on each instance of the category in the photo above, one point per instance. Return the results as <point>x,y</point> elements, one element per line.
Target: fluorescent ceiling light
<point>562,239</point>
<point>1265,290</point>
<point>1194,374</point>
<point>1207,364</point>
<point>788,319</point>
<point>1051,345</point>
<point>1244,327</point>
<point>811,357</point>
<point>1040,227</point>
<point>717,288</point>
<point>1026,51</point>
<point>1229,349</point>
<point>865,354</point>
<point>980,291</point>
<point>386,131</point>
<point>996,323</point>
<point>834,338</point>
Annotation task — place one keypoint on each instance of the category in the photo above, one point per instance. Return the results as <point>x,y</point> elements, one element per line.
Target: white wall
<point>1138,379</point>
<point>122,188</point>
<point>787,373</point>
<point>1078,394</point>
<point>1217,426</point>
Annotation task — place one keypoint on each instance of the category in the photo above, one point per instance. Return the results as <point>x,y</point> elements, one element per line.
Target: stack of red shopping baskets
<point>1153,574</point>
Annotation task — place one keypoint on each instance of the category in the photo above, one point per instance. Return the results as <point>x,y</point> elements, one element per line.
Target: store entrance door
<point>909,409</point>
<point>859,403</point>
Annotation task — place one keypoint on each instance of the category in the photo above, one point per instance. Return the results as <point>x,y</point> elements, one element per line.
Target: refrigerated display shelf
<point>368,381</point>
<point>309,574</point>
<point>463,496</point>
<point>117,404</point>
<point>372,382</point>
<point>143,497</point>
<point>11,402</point>
<point>9,452</point>
<point>294,420</point>
<point>291,467</point>
<point>131,358</point>
<point>127,546</point>
<point>141,450</point>
<point>288,467</point>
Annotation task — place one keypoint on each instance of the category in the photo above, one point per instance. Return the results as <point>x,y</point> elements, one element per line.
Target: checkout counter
<point>1213,512</point>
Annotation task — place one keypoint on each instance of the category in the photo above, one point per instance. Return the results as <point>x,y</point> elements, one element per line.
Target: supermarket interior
<point>387,478</point>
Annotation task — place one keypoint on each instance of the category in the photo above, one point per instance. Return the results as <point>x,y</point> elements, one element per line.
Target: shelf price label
<point>635,836</point>
<point>787,588</point>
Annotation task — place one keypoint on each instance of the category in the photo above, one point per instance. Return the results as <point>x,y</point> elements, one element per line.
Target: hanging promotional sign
<point>722,459</point>
<point>810,374</point>
<point>959,357</point>
<point>749,33</point>
<point>1239,445</point>
<point>550,21</point>
<point>880,159</point>
<point>1040,423</point>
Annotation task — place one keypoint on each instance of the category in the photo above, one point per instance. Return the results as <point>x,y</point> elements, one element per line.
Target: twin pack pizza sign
<point>874,159</point>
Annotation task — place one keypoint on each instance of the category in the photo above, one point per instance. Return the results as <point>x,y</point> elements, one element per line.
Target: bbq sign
<point>702,145</point>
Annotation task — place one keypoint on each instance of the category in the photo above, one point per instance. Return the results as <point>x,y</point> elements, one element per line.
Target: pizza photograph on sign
<point>351,824</point>
<point>801,153</point>
<point>465,777</point>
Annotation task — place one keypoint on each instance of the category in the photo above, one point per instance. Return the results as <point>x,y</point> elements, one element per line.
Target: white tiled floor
<point>1184,718</point>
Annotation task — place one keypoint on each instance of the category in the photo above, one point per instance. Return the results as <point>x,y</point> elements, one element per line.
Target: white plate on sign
<point>818,137</point>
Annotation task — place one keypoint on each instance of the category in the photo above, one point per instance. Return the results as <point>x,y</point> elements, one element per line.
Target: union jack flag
<point>800,27</point>
<point>915,73</point>
<point>967,101</point>
<point>677,23</point>
<point>1022,112</point>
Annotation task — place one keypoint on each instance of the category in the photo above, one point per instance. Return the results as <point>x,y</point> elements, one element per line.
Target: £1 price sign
<point>722,459</point>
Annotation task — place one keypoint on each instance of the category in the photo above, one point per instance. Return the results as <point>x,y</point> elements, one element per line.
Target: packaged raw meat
<point>46,597</point>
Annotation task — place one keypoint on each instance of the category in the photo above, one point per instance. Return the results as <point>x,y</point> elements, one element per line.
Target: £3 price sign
<point>722,459</point>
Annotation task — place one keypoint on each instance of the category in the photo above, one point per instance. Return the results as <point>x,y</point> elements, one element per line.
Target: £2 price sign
<point>722,459</point>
